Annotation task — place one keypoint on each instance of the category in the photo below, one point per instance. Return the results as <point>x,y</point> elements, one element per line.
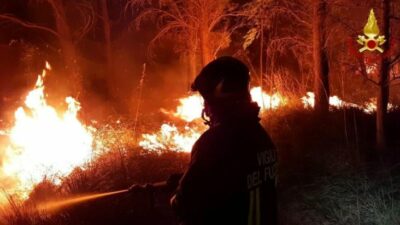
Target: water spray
<point>54,205</point>
<point>58,204</point>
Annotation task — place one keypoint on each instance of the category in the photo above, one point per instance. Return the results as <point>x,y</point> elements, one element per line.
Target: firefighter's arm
<point>169,185</point>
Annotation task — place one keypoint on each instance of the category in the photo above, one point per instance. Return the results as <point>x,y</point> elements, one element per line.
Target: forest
<point>95,96</point>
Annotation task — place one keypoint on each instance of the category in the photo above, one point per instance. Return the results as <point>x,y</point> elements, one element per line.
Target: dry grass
<point>346,199</point>
<point>316,185</point>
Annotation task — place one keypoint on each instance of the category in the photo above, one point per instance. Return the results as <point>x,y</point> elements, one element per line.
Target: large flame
<point>190,108</point>
<point>43,142</point>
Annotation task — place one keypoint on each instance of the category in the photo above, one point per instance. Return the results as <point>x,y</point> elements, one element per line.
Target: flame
<point>334,102</point>
<point>265,101</point>
<point>371,29</point>
<point>44,142</point>
<point>308,100</point>
<point>368,107</point>
<point>169,137</point>
<point>190,108</point>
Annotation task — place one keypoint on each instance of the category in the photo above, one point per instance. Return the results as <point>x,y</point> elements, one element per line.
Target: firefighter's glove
<point>137,188</point>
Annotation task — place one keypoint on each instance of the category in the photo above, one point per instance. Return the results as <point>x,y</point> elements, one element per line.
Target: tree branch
<point>395,60</point>
<point>29,25</point>
<point>364,72</point>
<point>88,15</point>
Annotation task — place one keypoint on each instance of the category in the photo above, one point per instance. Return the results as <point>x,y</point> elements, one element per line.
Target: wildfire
<point>190,108</point>
<point>46,142</point>
<point>265,101</point>
<point>43,142</point>
<point>335,102</point>
<point>169,137</point>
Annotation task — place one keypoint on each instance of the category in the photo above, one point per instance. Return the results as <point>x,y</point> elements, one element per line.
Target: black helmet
<point>223,78</point>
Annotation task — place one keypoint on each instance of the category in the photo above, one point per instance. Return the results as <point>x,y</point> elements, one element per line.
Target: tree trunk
<point>204,46</point>
<point>321,64</point>
<point>205,53</point>
<point>108,75</point>
<point>383,95</point>
<point>192,66</point>
<point>67,45</point>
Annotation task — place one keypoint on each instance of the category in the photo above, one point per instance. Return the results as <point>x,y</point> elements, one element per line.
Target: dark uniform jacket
<point>231,176</point>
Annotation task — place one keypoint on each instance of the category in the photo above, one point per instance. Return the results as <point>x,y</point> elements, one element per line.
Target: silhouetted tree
<point>107,25</point>
<point>198,27</point>
<point>277,38</point>
<point>320,58</point>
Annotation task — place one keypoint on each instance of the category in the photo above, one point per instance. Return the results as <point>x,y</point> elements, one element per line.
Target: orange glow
<point>335,102</point>
<point>265,101</point>
<point>44,142</point>
<point>56,205</point>
<point>170,137</point>
<point>190,108</point>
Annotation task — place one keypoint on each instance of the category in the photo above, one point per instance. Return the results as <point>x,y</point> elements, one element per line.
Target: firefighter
<point>231,178</point>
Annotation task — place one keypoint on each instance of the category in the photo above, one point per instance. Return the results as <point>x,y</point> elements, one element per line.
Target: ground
<point>329,173</point>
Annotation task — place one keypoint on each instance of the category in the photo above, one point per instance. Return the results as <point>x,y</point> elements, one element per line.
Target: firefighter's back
<point>244,178</point>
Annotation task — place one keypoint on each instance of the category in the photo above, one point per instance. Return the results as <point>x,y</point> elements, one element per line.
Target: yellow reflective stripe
<point>251,209</point>
<point>254,216</point>
<point>258,216</point>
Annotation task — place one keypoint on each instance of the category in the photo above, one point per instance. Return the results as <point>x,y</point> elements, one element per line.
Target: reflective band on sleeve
<point>254,216</point>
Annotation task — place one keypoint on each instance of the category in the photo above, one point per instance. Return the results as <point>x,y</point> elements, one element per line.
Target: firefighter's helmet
<point>223,79</point>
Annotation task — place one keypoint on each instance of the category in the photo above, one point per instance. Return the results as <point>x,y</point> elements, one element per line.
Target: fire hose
<point>168,185</point>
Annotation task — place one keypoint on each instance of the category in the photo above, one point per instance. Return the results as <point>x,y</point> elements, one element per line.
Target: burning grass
<point>309,154</point>
<point>114,157</point>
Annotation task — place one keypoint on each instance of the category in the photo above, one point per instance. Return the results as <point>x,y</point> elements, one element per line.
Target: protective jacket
<point>231,176</point>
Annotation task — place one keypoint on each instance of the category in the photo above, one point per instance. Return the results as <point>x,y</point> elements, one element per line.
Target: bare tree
<point>198,27</point>
<point>265,19</point>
